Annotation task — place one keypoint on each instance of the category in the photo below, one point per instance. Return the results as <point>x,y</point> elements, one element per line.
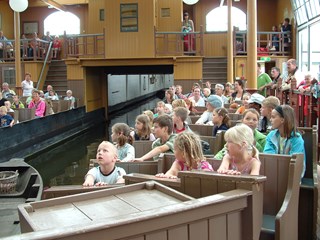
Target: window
<point>217,19</point>
<point>55,23</point>
<point>129,17</point>
<point>9,76</point>
<point>305,10</point>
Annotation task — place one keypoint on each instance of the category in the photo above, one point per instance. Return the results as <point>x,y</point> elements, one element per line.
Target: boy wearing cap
<point>213,102</point>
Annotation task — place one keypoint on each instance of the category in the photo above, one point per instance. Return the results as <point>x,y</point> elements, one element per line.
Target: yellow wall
<point>188,68</point>
<point>7,20</point>
<point>215,44</point>
<point>172,23</point>
<point>130,44</point>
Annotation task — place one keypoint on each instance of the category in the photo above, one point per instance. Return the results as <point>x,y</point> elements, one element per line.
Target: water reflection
<point>68,163</point>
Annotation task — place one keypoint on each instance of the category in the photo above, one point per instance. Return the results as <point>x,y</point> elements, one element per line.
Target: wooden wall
<point>130,44</point>
<point>172,23</point>
<point>95,25</point>
<point>6,19</point>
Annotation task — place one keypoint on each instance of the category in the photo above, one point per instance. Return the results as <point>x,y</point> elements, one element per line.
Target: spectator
<point>169,96</point>
<point>163,126</point>
<point>56,47</point>
<point>107,172</point>
<point>179,117</point>
<point>219,91</point>
<point>239,90</point>
<point>220,120</point>
<point>286,28</point>
<point>53,95</point>
<point>197,99</point>
<point>245,104</point>
<point>121,136</point>
<point>6,91</point>
<point>37,103</point>
<point>34,45</point>
<point>179,92</point>
<point>275,75</point>
<point>267,106</point>
<point>47,37</point>
<point>27,85</point>
<point>17,104</point>
<point>293,73</point>
<point>263,81</point>
<point>7,104</point>
<point>160,109</point>
<point>142,129</point>
<point>213,102</point>
<point>70,98</point>
<point>5,119</point>
<point>2,100</point>
<point>4,45</point>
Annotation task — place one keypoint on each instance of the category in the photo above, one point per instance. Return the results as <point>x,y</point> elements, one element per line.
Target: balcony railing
<point>36,51</point>
<point>84,45</point>
<point>178,43</point>
<point>268,43</point>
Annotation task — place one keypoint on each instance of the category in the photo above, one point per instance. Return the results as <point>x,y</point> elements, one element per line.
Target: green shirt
<point>263,79</point>
<point>259,138</point>
<point>169,143</point>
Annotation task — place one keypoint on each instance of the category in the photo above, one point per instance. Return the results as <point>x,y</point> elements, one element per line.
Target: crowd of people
<point>32,98</point>
<point>266,127</point>
<point>32,46</point>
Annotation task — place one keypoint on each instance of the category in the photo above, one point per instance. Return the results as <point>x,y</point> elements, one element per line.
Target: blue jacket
<point>292,145</point>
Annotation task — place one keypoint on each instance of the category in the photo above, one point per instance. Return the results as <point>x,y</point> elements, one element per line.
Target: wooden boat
<point>28,188</point>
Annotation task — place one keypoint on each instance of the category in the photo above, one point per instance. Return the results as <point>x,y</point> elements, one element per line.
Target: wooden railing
<point>38,53</point>
<point>178,43</point>
<point>268,43</point>
<point>84,45</point>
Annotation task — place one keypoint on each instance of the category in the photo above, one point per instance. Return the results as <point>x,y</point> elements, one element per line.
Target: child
<point>242,156</point>
<point>71,98</point>
<point>220,120</point>
<point>245,103</point>
<point>251,119</point>
<point>16,104</point>
<point>121,135</point>
<point>142,129</point>
<point>56,46</point>
<point>164,144</point>
<point>179,117</point>
<point>168,108</point>
<point>284,139</point>
<point>5,119</point>
<point>53,95</point>
<point>213,102</point>
<point>188,153</point>
<point>8,106</point>
<point>160,109</point>
<point>267,106</point>
<point>106,172</point>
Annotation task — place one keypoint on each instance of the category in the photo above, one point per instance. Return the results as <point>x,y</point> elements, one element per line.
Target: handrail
<point>44,64</point>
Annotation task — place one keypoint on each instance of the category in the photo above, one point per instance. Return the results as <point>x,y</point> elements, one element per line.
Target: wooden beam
<point>55,5</point>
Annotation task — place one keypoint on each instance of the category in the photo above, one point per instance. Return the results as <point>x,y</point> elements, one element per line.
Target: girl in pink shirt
<point>188,153</point>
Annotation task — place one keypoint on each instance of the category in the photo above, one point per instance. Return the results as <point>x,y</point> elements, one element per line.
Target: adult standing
<point>27,85</point>
<point>286,29</point>
<point>187,27</point>
<point>293,73</point>
<point>263,81</point>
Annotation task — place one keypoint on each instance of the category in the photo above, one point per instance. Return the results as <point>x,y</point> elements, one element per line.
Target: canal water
<point>68,163</point>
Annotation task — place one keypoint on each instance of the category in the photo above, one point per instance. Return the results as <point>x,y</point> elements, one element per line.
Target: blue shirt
<point>6,120</point>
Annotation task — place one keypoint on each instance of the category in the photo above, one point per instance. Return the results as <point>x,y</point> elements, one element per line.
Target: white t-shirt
<point>111,178</point>
<point>27,88</point>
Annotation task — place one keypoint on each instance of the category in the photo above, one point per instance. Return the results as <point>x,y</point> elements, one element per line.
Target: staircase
<point>215,70</point>
<point>57,77</point>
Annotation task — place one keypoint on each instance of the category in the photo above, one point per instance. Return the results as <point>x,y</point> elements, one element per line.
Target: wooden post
<point>17,48</point>
<point>252,44</point>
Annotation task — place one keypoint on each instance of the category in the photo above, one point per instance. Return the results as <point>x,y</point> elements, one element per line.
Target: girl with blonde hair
<point>188,153</point>
<point>242,156</point>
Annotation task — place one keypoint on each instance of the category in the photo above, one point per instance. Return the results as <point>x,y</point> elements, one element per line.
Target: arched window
<point>217,19</point>
<point>58,22</point>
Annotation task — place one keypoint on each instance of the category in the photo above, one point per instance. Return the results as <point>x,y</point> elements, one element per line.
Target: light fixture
<point>18,5</point>
<point>190,2</point>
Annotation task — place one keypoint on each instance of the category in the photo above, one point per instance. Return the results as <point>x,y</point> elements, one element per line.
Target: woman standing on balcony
<point>188,39</point>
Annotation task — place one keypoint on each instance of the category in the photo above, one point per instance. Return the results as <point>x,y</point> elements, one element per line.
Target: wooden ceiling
<point>42,3</point>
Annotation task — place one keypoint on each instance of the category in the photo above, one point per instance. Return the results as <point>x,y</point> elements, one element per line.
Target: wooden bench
<point>165,214</point>
<point>25,114</point>
<point>142,147</point>
<point>235,116</point>
<point>194,119</point>
<point>14,115</point>
<point>200,184</point>
<point>202,130</point>
<point>281,195</point>
<point>216,143</point>
<point>309,186</point>
<point>201,110</point>
<point>61,105</point>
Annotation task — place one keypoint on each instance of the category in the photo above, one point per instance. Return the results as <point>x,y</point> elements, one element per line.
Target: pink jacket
<point>40,107</point>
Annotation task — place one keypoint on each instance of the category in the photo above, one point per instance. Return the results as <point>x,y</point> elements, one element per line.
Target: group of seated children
<point>170,133</point>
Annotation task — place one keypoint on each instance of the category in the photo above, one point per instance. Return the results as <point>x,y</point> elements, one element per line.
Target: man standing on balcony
<point>286,28</point>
